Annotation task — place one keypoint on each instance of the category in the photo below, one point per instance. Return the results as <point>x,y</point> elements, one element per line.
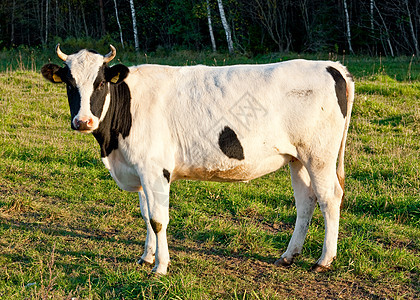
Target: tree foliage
<point>390,27</point>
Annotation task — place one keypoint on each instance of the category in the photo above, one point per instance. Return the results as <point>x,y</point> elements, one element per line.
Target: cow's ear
<point>51,72</point>
<point>116,74</point>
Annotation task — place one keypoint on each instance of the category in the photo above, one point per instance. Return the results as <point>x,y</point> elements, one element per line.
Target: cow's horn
<point>110,56</point>
<point>60,53</point>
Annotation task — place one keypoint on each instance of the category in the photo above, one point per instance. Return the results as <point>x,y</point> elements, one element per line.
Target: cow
<point>157,124</point>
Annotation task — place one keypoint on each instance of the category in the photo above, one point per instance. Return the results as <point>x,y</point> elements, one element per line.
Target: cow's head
<point>88,79</point>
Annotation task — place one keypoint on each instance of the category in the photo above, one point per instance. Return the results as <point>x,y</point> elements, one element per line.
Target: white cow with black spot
<point>157,124</point>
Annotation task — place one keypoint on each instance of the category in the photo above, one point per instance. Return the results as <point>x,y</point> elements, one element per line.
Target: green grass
<point>66,230</point>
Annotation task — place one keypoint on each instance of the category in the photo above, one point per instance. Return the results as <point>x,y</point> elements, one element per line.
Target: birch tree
<point>213,41</point>
<point>119,24</point>
<point>413,35</point>
<point>133,16</point>
<point>346,12</point>
<point>226,26</point>
<point>371,15</point>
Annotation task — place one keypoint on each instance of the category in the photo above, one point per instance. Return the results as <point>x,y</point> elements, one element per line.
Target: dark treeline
<point>387,27</point>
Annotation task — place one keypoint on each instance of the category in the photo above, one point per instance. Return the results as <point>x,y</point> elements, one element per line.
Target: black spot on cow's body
<point>156,226</point>
<point>167,175</point>
<point>117,120</point>
<point>230,144</point>
<point>340,89</point>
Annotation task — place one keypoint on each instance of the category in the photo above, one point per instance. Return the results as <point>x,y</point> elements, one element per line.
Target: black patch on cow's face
<point>117,120</point>
<point>73,95</point>
<point>167,175</point>
<point>74,98</point>
<point>100,90</point>
<point>230,144</point>
<point>340,89</point>
<point>58,74</point>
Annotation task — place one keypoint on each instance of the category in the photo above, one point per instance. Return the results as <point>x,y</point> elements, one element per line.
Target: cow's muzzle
<point>84,124</point>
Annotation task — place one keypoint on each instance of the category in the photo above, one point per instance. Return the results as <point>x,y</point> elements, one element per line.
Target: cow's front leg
<point>148,256</point>
<point>156,187</point>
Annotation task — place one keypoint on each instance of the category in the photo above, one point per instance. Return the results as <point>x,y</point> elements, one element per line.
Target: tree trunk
<point>269,14</point>
<point>413,35</point>
<point>119,24</point>
<point>40,20</point>
<point>101,10</point>
<point>226,27</point>
<point>213,41</point>
<point>46,20</point>
<point>84,22</point>
<point>133,16</point>
<point>348,26</point>
<point>56,18</point>
<point>386,31</point>
<point>305,17</point>
<point>69,21</point>
<point>371,15</point>
<point>12,33</point>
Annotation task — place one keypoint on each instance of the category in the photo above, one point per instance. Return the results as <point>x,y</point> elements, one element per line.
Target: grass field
<point>66,230</point>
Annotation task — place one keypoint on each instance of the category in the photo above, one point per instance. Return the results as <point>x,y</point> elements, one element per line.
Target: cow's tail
<point>350,99</point>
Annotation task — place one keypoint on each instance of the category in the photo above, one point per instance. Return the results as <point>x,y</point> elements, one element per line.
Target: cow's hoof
<point>320,269</point>
<point>156,275</point>
<point>161,269</point>
<point>283,262</point>
<point>142,262</point>
<point>158,271</point>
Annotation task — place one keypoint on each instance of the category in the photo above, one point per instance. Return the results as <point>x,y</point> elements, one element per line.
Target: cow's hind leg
<point>148,256</point>
<point>305,200</point>
<point>329,194</point>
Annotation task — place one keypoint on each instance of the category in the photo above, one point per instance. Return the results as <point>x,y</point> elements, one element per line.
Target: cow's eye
<point>101,84</point>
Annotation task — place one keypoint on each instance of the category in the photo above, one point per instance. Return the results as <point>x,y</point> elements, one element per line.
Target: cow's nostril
<point>84,124</point>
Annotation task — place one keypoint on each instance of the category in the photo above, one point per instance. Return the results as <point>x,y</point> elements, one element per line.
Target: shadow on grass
<point>59,231</point>
<point>196,243</point>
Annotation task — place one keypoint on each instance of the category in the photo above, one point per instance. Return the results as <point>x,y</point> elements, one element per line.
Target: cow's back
<point>264,111</point>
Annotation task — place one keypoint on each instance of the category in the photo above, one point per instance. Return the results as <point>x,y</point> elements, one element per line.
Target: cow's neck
<point>117,119</point>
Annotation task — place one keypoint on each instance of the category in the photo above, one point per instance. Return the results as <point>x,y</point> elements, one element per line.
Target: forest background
<point>250,27</point>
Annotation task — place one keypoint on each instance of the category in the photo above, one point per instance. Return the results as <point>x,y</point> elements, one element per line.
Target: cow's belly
<point>242,171</point>
<point>123,174</point>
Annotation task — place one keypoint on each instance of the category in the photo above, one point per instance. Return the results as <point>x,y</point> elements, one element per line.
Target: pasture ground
<point>66,230</point>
